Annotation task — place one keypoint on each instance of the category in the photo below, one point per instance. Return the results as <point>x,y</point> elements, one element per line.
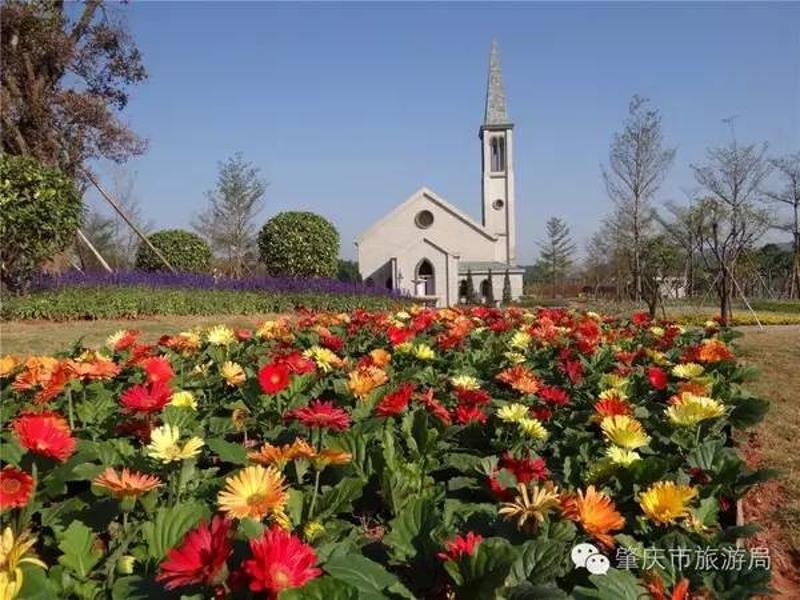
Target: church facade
<point>427,247</point>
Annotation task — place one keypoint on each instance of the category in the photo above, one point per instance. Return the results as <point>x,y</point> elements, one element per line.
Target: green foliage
<point>80,553</point>
<point>489,299</point>
<point>134,302</point>
<point>470,297</point>
<point>507,289</point>
<point>557,249</point>
<point>40,210</point>
<point>169,526</point>
<point>299,244</point>
<point>347,271</point>
<point>185,251</point>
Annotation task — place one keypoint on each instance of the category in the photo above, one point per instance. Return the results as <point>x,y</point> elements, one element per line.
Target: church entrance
<point>424,281</point>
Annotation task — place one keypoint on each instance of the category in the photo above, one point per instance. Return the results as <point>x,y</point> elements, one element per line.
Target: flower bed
<point>427,454</point>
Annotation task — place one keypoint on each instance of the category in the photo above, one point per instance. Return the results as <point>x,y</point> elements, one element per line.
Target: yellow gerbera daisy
<point>624,431</point>
<point>465,382</point>
<point>612,380</point>
<point>666,501</point>
<point>253,492</point>
<point>515,358</point>
<point>232,373</point>
<point>14,552</point>
<point>621,456</point>
<point>520,340</point>
<point>220,335</point>
<point>164,445</point>
<point>513,413</point>
<point>324,358</point>
<point>533,428</point>
<point>532,502</point>
<point>424,352</point>
<point>687,370</point>
<point>183,399</point>
<point>691,409</point>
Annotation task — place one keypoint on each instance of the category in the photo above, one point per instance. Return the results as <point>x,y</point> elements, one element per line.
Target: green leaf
<point>540,560</point>
<point>481,574</point>
<point>78,547</point>
<point>360,572</point>
<point>529,591</point>
<point>339,497</point>
<point>169,526</point>
<point>614,585</point>
<point>322,588</point>
<point>748,411</point>
<point>412,530</point>
<point>251,528</point>
<point>228,452</point>
<point>35,584</point>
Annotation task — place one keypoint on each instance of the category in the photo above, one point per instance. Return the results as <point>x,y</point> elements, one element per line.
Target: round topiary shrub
<point>40,209</point>
<point>187,252</point>
<point>299,244</point>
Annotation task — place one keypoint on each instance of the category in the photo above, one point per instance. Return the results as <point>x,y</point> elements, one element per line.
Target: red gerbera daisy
<point>321,414</point>
<point>395,402</point>
<point>280,561</point>
<point>200,559</point>
<point>473,397</point>
<point>158,369</point>
<point>657,378</point>
<point>273,378</point>
<point>16,488</point>
<point>436,408</point>
<point>298,364</point>
<point>146,399</point>
<point>399,335</point>
<point>612,406</point>
<point>46,433</point>
<point>466,414</point>
<point>553,395</point>
<point>461,546</point>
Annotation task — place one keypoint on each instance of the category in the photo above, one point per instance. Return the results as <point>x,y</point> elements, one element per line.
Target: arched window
<point>425,280</point>
<point>498,154</point>
<point>462,290</point>
<point>485,288</point>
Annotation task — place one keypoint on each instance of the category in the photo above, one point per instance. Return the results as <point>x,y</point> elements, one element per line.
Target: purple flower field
<point>206,281</point>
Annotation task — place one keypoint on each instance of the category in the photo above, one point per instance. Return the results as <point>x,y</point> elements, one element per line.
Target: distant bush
<point>348,272</point>
<point>183,249</point>
<point>299,244</point>
<point>89,303</point>
<point>40,209</point>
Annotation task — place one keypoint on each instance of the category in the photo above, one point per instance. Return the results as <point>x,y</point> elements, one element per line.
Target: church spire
<point>496,111</point>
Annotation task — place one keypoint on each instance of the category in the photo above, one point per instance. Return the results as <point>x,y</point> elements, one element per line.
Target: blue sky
<point>348,108</point>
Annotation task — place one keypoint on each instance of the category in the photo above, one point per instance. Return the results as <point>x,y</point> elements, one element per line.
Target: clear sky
<point>349,108</point>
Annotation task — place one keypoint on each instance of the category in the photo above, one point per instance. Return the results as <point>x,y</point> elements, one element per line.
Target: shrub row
<point>88,303</point>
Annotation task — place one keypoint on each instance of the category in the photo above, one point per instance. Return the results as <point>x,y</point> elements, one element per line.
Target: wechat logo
<point>589,557</point>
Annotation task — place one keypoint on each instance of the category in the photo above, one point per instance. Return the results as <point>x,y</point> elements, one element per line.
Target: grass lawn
<point>776,444</point>
<point>43,337</point>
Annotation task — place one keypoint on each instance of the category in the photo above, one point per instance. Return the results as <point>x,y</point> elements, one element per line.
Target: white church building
<point>426,246</point>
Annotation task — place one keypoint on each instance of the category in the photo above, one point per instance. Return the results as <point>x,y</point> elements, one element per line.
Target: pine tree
<point>557,250</point>
<point>490,301</point>
<point>506,289</point>
<point>470,296</point>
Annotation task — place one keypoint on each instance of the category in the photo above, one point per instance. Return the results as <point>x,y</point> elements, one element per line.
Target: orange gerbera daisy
<point>92,365</point>
<point>16,487</point>
<point>362,381</point>
<point>281,455</point>
<point>47,434</point>
<point>520,378</point>
<point>8,365</point>
<point>596,513</point>
<point>713,350</point>
<point>37,371</point>
<point>611,406</point>
<point>253,492</point>
<point>126,484</point>
<point>328,456</point>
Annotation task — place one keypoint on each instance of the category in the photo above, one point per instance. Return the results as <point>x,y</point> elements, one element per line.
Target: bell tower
<point>497,152</point>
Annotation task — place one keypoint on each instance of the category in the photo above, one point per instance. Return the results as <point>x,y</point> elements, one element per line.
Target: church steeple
<point>496,109</point>
<point>497,165</point>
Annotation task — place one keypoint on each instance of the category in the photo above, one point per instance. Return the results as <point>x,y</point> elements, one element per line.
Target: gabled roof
<point>441,203</point>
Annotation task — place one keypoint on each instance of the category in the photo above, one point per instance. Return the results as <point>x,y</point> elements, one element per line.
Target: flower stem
<point>314,497</point>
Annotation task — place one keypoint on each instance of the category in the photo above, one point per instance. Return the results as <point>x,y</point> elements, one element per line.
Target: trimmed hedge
<point>185,251</point>
<point>89,303</point>
<point>40,209</point>
<point>299,244</point>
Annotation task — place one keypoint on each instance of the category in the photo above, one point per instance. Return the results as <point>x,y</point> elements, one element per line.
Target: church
<point>426,247</point>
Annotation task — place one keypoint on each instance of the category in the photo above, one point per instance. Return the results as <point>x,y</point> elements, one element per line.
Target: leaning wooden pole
<point>95,251</point>
<point>115,205</point>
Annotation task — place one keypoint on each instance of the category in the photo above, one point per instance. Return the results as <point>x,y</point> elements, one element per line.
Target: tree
<point>470,297</point>
<point>233,205</point>
<point>299,244</point>
<point>637,165</point>
<point>184,250</point>
<point>64,81</point>
<point>684,228</point>
<point>507,299</point>
<point>40,210</point>
<point>557,251</point>
<point>123,185</point>
<point>489,299</point>
<point>347,271</point>
<point>660,258</point>
<point>788,168</point>
<point>732,179</point>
